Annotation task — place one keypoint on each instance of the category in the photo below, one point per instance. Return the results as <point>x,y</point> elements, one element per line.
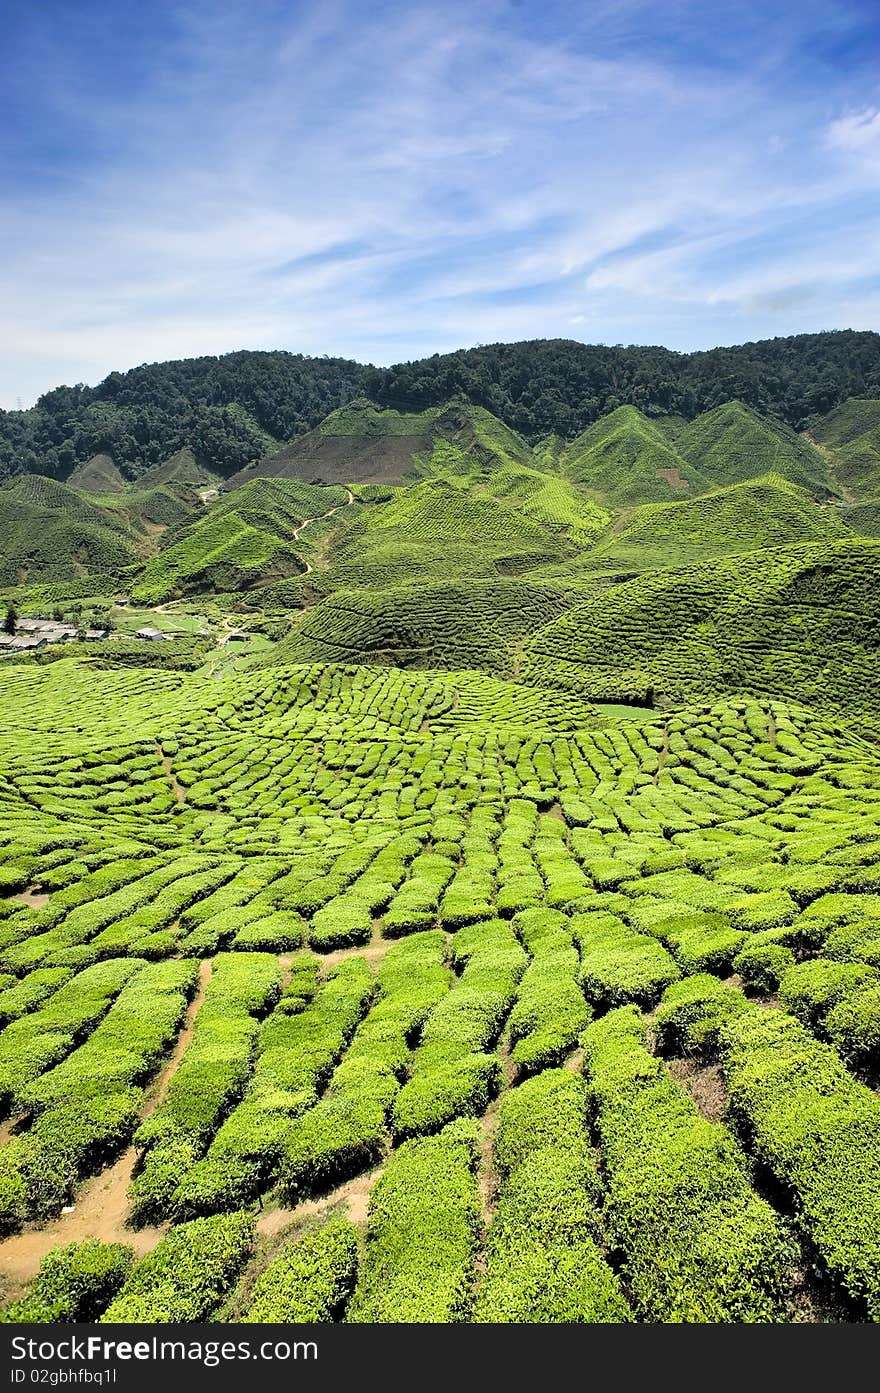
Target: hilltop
<point>245,537</point>
<point>232,410</point>
<point>849,437</point>
<point>394,496</point>
<point>625,458</point>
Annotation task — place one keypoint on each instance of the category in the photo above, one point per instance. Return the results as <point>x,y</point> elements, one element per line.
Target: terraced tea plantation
<point>344,993</point>
<point>473,913</point>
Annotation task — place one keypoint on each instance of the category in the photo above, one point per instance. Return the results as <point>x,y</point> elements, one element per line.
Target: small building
<point>151,635</point>
<point>95,633</point>
<point>22,643</point>
<point>54,631</point>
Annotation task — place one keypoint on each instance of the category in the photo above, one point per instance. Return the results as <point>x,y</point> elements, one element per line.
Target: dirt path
<point>308,521</point>
<point>372,951</point>
<point>488,1172</point>
<point>177,789</point>
<point>353,1194</point>
<point>101,1202</point>
<point>34,899</point>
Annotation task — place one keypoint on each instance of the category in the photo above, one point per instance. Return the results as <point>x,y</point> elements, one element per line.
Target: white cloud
<point>857,133</point>
<point>478,184</point>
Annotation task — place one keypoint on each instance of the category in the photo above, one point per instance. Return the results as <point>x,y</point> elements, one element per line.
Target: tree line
<point>232,409</point>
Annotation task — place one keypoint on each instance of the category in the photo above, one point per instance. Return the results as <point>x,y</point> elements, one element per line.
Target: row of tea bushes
<point>347,1130</point>
<point>697,1243</point>
<point>550,1009</point>
<point>296,1052</point>
<point>544,1260</point>
<point>87,1106</point>
<point>423,1231</point>
<point>453,1072</point>
<point>37,1041</point>
<point>209,1079</point>
<point>311,1280</point>
<point>818,1131</point>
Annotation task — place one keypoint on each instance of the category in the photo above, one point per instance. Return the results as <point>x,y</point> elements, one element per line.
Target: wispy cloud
<point>858,133</point>
<point>404,178</point>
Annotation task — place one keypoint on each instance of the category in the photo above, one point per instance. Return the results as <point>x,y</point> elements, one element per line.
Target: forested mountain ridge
<point>233,409</point>
<point>560,386</point>
<point>226,410</point>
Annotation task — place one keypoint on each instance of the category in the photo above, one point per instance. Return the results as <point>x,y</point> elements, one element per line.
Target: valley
<point>470,911</point>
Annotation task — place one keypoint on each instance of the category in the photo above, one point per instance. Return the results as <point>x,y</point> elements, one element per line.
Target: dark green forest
<point>232,409</point>
<point>558,386</point>
<point>222,408</point>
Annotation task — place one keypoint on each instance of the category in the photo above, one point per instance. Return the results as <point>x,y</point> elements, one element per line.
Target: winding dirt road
<point>318,518</point>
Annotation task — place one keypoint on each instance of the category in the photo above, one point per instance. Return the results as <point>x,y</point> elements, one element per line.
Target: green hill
<point>625,459</point>
<point>855,417</point>
<point>180,468</point>
<point>797,620</point>
<point>97,475</point>
<point>233,409</point>
<point>357,444</point>
<point>767,512</point>
<point>153,510</point>
<point>50,532</point>
<point>456,624</point>
<point>733,443</point>
<point>442,530</point>
<point>863,519</point>
<point>849,437</point>
<point>245,537</point>
<point>553,502</point>
<point>360,444</point>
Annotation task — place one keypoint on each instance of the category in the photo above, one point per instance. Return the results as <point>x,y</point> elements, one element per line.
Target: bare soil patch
<point>372,951</point>
<point>34,899</point>
<point>488,1173</point>
<point>704,1082</point>
<point>353,1196</point>
<point>673,477</point>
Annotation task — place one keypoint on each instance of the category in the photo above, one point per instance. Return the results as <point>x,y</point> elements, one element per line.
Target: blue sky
<point>385,180</point>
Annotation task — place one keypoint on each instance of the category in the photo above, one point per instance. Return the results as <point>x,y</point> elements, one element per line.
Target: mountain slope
<point>180,468</point>
<point>850,439</point>
<point>625,459</point>
<point>358,445</point>
<point>245,537</point>
<point>799,620</point>
<point>361,444</point>
<point>733,443</point>
<point>97,475</point>
<point>473,624</point>
<point>558,385</point>
<point>49,532</point>
<point>766,512</point>
<point>230,410</point>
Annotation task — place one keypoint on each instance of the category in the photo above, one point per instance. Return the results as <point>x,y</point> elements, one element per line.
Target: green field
<point>473,912</point>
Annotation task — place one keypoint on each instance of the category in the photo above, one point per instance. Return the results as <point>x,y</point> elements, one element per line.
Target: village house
<point>50,630</point>
<point>22,643</point>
